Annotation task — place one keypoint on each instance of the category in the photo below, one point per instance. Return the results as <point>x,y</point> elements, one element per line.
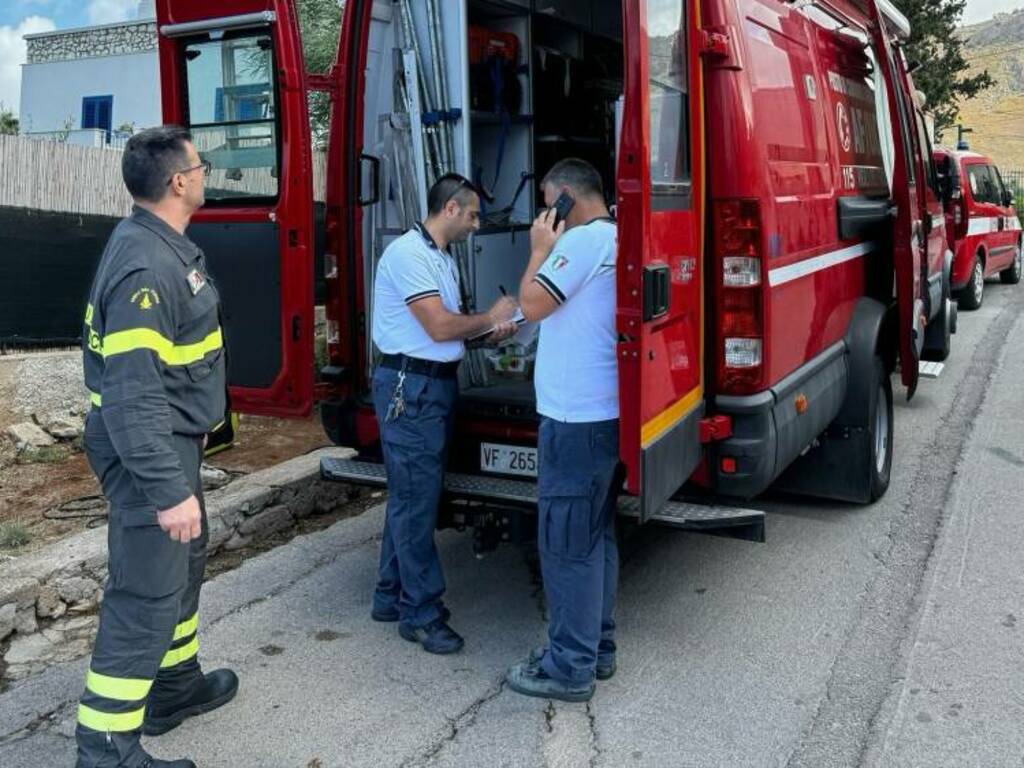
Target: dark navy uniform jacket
<point>154,351</point>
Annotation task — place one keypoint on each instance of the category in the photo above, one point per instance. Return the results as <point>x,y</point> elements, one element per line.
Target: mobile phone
<point>562,206</point>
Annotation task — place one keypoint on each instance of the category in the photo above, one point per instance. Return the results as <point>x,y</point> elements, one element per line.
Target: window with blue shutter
<point>97,112</point>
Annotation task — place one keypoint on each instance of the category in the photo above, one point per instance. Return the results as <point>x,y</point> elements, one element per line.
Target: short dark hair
<point>451,186</point>
<point>151,157</point>
<point>576,174</point>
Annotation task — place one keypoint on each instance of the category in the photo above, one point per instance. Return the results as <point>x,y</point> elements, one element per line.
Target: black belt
<point>432,368</point>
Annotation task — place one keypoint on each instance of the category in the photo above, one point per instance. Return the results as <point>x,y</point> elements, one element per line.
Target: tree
<point>8,121</point>
<point>320,22</point>
<point>938,49</point>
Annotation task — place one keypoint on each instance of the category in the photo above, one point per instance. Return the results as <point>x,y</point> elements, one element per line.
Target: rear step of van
<point>747,524</point>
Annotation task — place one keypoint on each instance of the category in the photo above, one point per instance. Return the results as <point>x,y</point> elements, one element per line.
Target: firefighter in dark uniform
<point>155,370</point>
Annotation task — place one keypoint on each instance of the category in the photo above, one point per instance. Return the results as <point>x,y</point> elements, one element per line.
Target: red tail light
<point>960,218</point>
<point>739,280</point>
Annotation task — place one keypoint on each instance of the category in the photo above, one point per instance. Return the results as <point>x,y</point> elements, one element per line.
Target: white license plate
<point>508,459</point>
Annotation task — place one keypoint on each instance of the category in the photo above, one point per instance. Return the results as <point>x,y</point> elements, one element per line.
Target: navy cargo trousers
<point>415,443</point>
<point>578,490</point>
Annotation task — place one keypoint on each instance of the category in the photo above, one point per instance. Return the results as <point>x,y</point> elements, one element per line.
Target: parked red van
<point>981,224</point>
<point>781,235</point>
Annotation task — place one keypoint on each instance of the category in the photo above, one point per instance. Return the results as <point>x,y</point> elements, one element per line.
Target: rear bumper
<point>963,263</point>
<point>769,433</point>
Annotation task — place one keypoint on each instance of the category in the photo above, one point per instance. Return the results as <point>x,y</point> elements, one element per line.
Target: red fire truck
<point>781,245</point>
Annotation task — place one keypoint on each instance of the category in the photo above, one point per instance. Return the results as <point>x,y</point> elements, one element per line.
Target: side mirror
<point>1007,198</point>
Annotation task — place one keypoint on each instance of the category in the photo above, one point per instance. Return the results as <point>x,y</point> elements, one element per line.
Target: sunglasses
<point>464,183</point>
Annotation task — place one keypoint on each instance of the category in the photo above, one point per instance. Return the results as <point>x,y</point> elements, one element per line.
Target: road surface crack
<point>316,565</point>
<point>455,726</point>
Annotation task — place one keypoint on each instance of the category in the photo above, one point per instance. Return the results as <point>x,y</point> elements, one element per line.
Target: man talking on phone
<point>569,287</point>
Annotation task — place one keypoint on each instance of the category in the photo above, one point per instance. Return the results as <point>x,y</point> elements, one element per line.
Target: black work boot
<point>118,750</point>
<point>209,692</point>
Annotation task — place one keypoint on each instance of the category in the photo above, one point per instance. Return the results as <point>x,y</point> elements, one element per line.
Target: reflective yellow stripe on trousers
<point>176,656</point>
<point>118,688</point>
<point>186,628</point>
<point>104,721</point>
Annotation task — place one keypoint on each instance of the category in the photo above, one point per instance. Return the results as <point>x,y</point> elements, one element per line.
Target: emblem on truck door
<point>843,125</point>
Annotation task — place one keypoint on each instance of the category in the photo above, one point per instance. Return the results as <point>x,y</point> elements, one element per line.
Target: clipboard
<point>517,318</point>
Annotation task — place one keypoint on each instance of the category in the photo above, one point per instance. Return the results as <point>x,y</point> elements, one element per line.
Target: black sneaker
<point>606,660</point>
<point>388,615</point>
<point>606,668</point>
<point>530,679</point>
<point>153,762</point>
<point>605,665</point>
<point>217,689</point>
<point>435,637</point>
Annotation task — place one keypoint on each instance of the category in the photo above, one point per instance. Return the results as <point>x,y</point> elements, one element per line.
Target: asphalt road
<point>878,636</point>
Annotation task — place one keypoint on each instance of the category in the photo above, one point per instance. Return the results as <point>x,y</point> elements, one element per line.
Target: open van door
<point>233,73</point>
<point>908,228</point>
<point>660,267</point>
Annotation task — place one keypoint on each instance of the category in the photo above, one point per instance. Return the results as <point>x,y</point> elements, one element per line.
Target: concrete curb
<point>48,599</point>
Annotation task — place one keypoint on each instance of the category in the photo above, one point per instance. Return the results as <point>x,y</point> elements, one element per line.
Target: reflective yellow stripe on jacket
<point>172,354</point>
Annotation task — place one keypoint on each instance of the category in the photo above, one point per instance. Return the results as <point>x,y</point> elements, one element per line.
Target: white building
<point>83,85</point>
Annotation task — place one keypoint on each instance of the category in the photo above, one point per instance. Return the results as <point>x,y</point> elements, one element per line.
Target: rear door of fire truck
<point>232,72</point>
<point>660,267</point>
<point>909,232</point>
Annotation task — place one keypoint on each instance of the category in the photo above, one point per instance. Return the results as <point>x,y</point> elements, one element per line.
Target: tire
<point>938,334</point>
<point>1011,275</point>
<point>880,430</point>
<point>974,292</point>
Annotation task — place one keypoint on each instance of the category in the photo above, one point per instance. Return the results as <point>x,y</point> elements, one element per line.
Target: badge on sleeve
<point>196,281</point>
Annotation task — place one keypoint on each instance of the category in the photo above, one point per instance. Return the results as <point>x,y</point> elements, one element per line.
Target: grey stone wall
<point>114,40</point>
<point>49,599</point>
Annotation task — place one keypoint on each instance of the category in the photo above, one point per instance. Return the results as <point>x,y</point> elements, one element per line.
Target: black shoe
<point>384,614</point>
<point>155,763</point>
<point>606,660</point>
<point>606,669</point>
<point>435,637</point>
<point>216,690</point>
<point>530,679</point>
<point>388,615</point>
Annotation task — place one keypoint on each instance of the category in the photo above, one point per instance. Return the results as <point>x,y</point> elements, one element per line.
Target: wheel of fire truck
<point>881,430</point>
<point>974,292</point>
<point>1011,275</point>
<point>939,332</point>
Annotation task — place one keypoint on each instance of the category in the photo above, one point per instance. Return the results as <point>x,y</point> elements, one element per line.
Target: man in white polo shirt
<point>569,286</point>
<point>419,327</point>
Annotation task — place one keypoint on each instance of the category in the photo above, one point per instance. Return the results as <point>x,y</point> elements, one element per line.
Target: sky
<point>21,17</point>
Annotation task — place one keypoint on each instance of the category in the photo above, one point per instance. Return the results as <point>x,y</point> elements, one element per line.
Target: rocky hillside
<point>997,115</point>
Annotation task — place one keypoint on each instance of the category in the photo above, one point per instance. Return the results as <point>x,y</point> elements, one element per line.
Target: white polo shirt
<point>576,375</point>
<point>413,268</point>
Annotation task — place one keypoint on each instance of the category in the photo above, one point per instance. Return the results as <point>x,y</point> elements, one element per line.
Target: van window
<point>983,188</point>
<point>1000,187</point>
<point>669,104</point>
<point>230,102</point>
<point>932,177</point>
